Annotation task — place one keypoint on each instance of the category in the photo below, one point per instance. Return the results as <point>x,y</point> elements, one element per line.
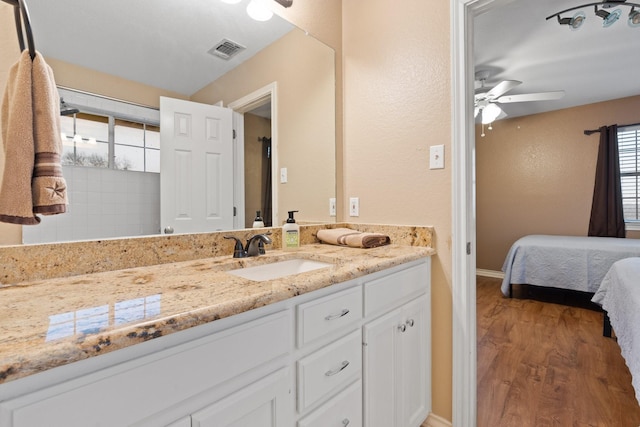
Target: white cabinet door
<point>396,367</point>
<point>265,403</point>
<point>413,395</point>
<point>380,375</point>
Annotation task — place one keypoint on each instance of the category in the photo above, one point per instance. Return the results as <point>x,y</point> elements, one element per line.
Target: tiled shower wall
<point>103,203</point>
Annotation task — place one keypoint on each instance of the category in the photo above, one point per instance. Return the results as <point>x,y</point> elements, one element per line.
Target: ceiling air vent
<point>226,49</point>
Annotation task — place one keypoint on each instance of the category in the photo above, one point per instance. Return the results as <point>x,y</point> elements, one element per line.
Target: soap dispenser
<point>290,233</point>
<point>258,222</point>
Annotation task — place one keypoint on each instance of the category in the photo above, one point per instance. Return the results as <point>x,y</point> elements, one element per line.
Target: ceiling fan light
<point>490,113</point>
<point>634,18</point>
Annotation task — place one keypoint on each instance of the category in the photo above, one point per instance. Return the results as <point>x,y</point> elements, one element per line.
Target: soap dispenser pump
<point>258,222</point>
<point>290,233</point>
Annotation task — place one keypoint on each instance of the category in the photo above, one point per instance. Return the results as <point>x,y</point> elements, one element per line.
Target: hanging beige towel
<point>30,119</point>
<point>48,186</point>
<point>352,238</point>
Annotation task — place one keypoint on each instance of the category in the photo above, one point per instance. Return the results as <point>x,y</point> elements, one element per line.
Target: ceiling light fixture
<point>608,18</point>
<point>634,18</point>
<point>258,11</point>
<point>575,22</point>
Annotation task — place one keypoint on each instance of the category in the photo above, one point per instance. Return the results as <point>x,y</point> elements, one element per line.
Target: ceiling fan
<point>486,100</point>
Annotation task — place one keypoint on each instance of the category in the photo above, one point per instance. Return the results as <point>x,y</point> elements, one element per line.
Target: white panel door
<point>196,163</point>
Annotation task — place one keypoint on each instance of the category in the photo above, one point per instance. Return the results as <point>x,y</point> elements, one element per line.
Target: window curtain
<point>607,217</point>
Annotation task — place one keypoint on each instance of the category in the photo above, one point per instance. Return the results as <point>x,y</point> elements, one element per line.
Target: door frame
<point>464,381</point>
<point>248,103</point>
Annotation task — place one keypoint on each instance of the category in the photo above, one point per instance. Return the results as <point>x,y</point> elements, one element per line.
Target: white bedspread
<point>619,295</point>
<point>568,262</point>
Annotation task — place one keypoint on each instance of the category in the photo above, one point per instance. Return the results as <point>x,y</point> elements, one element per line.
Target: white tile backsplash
<point>102,203</point>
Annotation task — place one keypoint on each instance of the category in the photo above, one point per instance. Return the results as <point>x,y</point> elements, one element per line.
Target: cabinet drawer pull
<point>410,322</point>
<point>345,422</point>
<point>338,369</point>
<point>402,327</point>
<point>343,313</point>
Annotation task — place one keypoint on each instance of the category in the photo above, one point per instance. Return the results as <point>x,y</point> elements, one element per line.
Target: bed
<point>619,296</point>
<point>568,262</point>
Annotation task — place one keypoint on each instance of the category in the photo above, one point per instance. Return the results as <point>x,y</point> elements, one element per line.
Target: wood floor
<point>546,364</point>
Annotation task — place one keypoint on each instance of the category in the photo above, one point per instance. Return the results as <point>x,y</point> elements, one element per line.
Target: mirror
<point>139,51</point>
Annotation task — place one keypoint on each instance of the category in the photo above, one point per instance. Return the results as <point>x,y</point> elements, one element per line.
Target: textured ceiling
<point>162,43</point>
<point>514,41</point>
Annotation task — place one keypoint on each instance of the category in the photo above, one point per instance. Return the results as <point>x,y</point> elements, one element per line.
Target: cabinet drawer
<point>329,314</point>
<point>387,292</point>
<point>328,370</point>
<point>344,410</point>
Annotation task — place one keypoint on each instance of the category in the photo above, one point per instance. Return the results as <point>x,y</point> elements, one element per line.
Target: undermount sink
<point>278,269</point>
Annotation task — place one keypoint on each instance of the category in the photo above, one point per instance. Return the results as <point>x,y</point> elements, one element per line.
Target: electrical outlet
<point>354,206</point>
<point>332,206</point>
<point>436,157</point>
<point>283,175</point>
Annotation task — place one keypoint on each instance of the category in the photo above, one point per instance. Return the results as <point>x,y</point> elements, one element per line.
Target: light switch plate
<point>436,157</point>
<point>354,206</point>
<point>332,206</point>
<point>283,175</point>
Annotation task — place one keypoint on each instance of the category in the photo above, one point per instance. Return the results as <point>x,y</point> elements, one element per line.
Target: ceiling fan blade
<point>502,88</point>
<point>540,96</point>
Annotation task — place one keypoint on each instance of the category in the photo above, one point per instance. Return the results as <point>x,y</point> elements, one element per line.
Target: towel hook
<point>21,15</point>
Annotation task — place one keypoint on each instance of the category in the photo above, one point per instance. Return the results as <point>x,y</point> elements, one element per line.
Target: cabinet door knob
<point>345,422</point>
<point>410,322</point>
<point>332,372</point>
<point>343,313</point>
<point>402,327</point>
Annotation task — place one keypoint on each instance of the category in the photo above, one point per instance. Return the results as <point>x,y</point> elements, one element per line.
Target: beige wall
<point>535,175</point>
<point>88,80</point>
<point>397,103</point>
<point>305,122</point>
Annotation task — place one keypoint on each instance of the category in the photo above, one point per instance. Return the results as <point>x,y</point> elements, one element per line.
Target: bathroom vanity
<point>191,344</point>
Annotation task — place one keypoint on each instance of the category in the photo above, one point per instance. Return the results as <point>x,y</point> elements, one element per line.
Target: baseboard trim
<point>489,273</point>
<point>435,421</point>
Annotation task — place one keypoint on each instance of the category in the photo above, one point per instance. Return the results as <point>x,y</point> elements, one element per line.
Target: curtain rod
<point>592,131</point>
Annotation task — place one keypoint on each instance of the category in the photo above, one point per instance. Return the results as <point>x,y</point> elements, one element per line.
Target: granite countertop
<point>53,322</point>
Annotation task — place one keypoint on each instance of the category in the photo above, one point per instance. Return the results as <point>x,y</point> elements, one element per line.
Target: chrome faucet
<point>254,247</point>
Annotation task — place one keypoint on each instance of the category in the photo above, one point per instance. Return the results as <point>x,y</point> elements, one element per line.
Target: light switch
<point>354,206</point>
<point>332,206</point>
<point>283,175</point>
<point>436,157</point>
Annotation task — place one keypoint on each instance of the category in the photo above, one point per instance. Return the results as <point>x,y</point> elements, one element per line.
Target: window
<point>629,152</point>
<point>102,139</point>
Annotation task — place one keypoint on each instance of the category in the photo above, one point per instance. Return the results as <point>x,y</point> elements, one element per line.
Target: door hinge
<point>235,211</point>
<point>468,248</point>
<point>234,134</point>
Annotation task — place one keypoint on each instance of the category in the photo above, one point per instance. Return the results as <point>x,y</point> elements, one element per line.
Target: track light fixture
<point>608,17</point>
<point>634,18</point>
<point>575,22</point>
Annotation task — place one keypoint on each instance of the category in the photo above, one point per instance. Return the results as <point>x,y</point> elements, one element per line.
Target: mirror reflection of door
<point>257,164</point>
<point>196,160</point>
